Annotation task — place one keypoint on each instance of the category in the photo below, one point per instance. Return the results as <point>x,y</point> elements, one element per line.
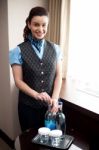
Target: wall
<point>5,107</point>
<point>12,21</point>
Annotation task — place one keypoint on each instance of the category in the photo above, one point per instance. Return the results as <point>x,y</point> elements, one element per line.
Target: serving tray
<point>65,142</point>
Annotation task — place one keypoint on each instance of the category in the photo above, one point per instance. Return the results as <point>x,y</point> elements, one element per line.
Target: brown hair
<point>36,11</point>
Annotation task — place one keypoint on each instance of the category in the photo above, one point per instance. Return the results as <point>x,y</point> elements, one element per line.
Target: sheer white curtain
<point>83,54</point>
<point>64,32</point>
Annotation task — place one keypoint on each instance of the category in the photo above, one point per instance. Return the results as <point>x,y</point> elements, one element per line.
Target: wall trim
<point>6,139</point>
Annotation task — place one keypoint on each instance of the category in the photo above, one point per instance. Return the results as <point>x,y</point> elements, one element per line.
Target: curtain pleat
<point>64,33</point>
<point>54,8</point>
<point>58,30</point>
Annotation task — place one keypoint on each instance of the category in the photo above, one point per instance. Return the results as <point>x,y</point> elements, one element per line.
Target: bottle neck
<point>59,109</point>
<point>60,106</point>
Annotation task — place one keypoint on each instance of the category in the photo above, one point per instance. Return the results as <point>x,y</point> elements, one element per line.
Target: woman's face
<point>38,26</point>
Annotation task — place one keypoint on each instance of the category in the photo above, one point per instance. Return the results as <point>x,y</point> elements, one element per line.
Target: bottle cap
<point>43,131</point>
<point>55,133</point>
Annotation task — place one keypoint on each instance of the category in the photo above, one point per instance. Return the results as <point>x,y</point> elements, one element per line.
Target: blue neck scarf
<point>37,43</point>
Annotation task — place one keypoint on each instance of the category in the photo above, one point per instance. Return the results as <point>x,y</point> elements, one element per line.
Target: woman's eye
<point>36,24</point>
<point>44,25</point>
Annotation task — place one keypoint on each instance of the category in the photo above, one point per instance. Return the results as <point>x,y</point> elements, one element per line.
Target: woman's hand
<point>43,96</point>
<point>54,105</point>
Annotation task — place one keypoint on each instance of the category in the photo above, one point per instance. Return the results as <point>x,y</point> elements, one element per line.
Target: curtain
<point>64,33</point>
<point>83,57</point>
<point>58,30</point>
<point>54,8</point>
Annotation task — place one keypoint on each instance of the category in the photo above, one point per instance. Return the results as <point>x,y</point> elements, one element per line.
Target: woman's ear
<point>29,26</point>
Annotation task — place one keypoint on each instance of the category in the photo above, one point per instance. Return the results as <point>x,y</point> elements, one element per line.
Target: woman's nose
<point>40,28</point>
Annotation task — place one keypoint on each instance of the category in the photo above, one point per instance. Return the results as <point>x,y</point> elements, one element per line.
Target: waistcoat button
<point>42,72</point>
<point>42,81</point>
<point>41,63</point>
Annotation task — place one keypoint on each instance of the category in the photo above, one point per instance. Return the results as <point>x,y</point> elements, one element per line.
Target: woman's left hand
<point>54,105</point>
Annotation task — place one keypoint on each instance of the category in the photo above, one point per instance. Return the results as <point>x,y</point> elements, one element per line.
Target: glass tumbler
<point>43,134</point>
<point>55,137</point>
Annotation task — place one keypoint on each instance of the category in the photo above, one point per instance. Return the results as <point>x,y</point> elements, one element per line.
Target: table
<point>23,142</point>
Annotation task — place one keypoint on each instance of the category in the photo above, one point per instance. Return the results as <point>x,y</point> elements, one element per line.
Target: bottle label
<point>51,124</point>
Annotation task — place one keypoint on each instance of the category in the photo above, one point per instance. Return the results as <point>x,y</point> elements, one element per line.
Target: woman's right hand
<point>43,96</point>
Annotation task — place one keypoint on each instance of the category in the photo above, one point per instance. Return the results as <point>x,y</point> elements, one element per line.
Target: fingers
<point>54,109</point>
<point>44,97</point>
<point>54,105</point>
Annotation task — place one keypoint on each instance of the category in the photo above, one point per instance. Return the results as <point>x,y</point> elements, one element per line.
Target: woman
<point>37,70</point>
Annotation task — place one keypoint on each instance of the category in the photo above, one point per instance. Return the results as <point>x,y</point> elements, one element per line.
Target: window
<point>83,53</point>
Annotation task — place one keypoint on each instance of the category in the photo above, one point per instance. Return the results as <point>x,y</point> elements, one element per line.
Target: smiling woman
<point>37,70</point>
<point>38,26</point>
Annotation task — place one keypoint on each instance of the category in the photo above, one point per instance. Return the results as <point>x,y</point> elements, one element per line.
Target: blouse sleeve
<point>15,56</point>
<point>58,53</point>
